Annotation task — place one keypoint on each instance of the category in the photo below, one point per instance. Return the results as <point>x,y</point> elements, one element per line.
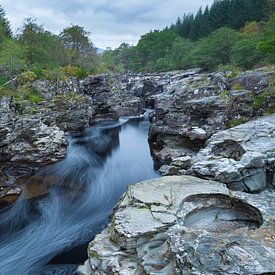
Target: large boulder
<point>185,225</point>
<point>242,157</point>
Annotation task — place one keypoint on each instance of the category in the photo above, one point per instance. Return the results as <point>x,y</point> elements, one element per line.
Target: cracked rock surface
<point>186,225</point>
<point>243,157</point>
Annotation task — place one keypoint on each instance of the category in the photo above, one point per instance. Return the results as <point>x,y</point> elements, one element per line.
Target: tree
<point>176,58</point>
<point>30,39</point>
<point>76,41</point>
<point>43,48</point>
<point>12,58</point>
<point>213,50</point>
<point>5,30</point>
<point>267,44</point>
<point>245,53</point>
<point>153,46</point>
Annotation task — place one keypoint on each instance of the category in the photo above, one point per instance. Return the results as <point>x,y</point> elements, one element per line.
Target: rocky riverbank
<point>214,131</point>
<point>215,127</point>
<point>186,225</point>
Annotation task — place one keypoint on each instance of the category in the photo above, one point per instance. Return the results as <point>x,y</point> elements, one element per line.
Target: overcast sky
<point>110,22</point>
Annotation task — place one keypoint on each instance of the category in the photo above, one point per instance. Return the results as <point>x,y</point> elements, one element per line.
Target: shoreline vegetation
<point>230,34</point>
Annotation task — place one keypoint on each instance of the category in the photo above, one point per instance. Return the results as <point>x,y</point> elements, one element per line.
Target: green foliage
<point>265,100</point>
<point>26,77</point>
<point>153,46</point>
<point>267,43</point>
<point>223,13</point>
<point>205,39</point>
<point>3,79</point>
<point>236,122</point>
<point>245,52</point>
<point>41,46</point>
<point>12,58</point>
<point>177,57</point>
<point>5,91</point>
<point>259,100</point>
<point>230,70</point>
<point>216,49</point>
<point>80,50</point>
<point>31,95</point>
<point>237,87</point>
<point>5,30</point>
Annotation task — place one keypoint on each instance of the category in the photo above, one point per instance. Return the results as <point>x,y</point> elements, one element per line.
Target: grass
<point>236,122</point>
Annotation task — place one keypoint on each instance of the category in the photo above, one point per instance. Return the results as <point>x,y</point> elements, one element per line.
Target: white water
<point>86,186</point>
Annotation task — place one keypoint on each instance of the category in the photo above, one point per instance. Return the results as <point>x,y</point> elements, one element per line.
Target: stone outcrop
<point>32,133</point>
<point>209,125</point>
<point>186,225</point>
<point>192,109</point>
<point>243,157</point>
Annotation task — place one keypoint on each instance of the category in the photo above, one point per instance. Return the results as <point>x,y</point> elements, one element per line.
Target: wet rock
<point>48,89</point>
<point>182,224</point>
<point>166,155</point>
<point>9,194</point>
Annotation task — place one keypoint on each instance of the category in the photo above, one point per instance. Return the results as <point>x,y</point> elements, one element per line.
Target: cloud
<point>110,22</point>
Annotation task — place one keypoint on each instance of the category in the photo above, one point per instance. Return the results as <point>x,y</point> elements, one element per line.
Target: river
<point>49,234</point>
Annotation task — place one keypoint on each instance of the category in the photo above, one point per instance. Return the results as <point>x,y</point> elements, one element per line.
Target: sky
<point>110,22</point>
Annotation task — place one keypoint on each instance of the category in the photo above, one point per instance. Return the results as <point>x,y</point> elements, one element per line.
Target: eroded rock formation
<point>186,225</point>
<point>212,126</point>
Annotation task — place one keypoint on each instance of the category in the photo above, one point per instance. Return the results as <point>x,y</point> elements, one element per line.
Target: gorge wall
<point>215,132</point>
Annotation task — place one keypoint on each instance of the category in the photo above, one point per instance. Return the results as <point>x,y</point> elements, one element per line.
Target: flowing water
<point>81,192</point>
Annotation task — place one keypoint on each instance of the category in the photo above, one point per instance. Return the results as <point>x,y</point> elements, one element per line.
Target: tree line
<point>236,32</point>
<point>35,49</point>
<point>227,13</point>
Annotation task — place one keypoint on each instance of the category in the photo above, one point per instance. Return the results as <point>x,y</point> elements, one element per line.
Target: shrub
<point>26,77</point>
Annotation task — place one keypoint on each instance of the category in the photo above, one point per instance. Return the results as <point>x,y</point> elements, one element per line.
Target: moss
<point>92,253</point>
<point>259,100</point>
<point>73,97</point>
<point>237,86</point>
<point>26,77</point>
<point>32,110</point>
<point>6,92</point>
<point>224,95</point>
<point>234,72</point>
<point>231,71</point>
<point>115,90</point>
<point>236,122</point>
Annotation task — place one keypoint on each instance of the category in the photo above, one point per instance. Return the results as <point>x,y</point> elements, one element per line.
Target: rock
<point>33,141</point>
<point>49,89</point>
<point>166,155</point>
<point>167,170</point>
<point>241,156</point>
<point>253,80</point>
<point>9,194</point>
<point>182,162</point>
<point>190,110</point>
<point>182,224</point>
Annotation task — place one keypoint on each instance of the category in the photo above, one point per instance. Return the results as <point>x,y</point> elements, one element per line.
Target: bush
<point>26,77</point>
<point>81,73</point>
<point>246,54</point>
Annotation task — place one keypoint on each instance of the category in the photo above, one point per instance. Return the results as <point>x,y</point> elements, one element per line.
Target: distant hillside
<point>234,32</point>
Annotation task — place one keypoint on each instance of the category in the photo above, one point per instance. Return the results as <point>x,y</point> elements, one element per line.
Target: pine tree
<point>5,29</point>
